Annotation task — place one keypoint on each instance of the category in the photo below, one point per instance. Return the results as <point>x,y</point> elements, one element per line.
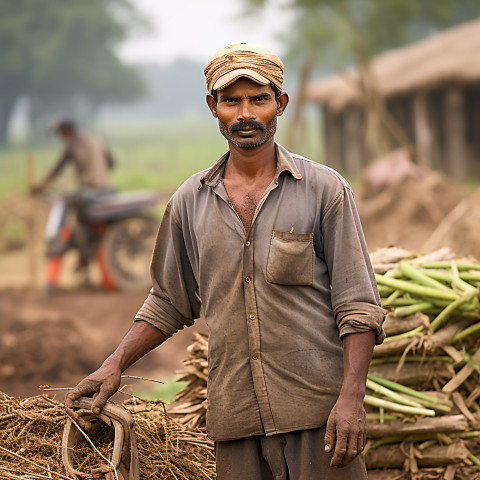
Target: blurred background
<point>385,91</point>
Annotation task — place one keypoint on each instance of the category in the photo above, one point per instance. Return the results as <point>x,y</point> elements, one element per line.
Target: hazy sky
<point>196,29</point>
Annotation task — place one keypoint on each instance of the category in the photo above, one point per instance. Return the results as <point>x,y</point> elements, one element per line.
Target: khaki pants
<point>291,456</point>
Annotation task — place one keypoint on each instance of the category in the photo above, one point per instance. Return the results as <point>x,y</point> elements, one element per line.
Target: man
<point>92,162</point>
<point>91,159</point>
<point>270,245</point>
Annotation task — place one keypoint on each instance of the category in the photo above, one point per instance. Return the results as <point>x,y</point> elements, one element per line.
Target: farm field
<point>57,340</point>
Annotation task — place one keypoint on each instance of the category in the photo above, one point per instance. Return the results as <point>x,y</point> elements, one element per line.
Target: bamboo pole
<point>31,225</point>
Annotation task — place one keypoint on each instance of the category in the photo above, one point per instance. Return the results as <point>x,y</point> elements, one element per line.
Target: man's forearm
<point>139,340</point>
<point>357,353</point>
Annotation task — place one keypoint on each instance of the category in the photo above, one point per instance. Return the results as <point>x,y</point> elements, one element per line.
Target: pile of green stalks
<point>423,384</point>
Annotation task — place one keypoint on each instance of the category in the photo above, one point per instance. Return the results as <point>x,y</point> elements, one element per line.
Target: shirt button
<point>247,279</point>
<point>247,243</point>
<point>252,317</point>
<point>255,357</point>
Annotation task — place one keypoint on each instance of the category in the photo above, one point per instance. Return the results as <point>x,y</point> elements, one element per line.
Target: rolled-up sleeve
<point>173,302</point>
<point>354,294</point>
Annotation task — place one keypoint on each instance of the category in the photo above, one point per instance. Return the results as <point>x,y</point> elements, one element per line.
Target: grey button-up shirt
<point>277,299</point>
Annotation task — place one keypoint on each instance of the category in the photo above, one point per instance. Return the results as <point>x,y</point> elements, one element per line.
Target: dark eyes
<point>236,100</point>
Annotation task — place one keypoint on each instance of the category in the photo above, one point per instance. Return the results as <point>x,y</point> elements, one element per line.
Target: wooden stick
<point>445,424</point>
<point>31,224</point>
<point>461,376</point>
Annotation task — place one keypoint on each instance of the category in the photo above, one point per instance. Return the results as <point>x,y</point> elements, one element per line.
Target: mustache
<point>246,124</point>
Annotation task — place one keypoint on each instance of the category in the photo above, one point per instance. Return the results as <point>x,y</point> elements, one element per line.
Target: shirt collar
<point>285,163</point>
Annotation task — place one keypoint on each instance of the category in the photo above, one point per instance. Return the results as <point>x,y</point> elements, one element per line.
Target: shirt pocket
<point>290,258</point>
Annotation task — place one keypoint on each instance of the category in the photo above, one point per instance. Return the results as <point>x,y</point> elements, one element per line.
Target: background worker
<point>270,245</point>
<point>91,159</point>
<point>92,162</point>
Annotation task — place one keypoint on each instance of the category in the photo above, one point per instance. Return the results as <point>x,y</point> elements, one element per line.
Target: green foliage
<point>336,31</point>
<point>165,392</point>
<point>63,53</point>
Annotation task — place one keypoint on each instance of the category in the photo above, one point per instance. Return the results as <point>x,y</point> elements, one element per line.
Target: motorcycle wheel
<point>127,247</point>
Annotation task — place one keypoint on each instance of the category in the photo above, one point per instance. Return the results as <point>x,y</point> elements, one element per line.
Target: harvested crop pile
<point>190,407</point>
<point>423,384</point>
<point>31,437</point>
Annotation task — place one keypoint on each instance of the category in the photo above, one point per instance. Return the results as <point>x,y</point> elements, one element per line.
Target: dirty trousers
<point>296,455</point>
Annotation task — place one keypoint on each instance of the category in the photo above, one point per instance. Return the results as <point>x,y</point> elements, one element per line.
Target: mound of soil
<point>59,340</point>
<point>407,214</point>
<point>49,346</point>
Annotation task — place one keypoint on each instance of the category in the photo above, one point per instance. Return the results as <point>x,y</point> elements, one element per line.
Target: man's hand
<point>101,384</point>
<point>346,431</point>
<point>347,423</point>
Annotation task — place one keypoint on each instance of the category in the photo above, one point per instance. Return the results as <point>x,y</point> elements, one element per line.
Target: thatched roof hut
<point>432,90</point>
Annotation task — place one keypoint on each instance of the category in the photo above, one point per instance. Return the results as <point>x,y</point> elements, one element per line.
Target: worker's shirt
<point>277,299</point>
<point>91,160</point>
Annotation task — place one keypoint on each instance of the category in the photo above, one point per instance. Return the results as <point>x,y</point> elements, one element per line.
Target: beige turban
<point>243,60</point>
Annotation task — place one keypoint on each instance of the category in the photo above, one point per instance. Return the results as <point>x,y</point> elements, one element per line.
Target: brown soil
<point>57,341</point>
<point>407,215</point>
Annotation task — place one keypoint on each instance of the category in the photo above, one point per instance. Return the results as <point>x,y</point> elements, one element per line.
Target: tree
<point>62,54</point>
<point>334,31</point>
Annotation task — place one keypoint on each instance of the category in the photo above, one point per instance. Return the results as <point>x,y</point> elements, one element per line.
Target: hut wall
<point>455,132</point>
<point>437,130</point>
<point>472,114</point>
<point>442,125</point>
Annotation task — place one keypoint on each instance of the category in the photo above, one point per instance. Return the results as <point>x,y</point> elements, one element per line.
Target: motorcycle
<point>116,230</point>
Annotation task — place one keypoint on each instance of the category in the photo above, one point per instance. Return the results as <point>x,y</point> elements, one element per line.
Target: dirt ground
<point>57,341</point>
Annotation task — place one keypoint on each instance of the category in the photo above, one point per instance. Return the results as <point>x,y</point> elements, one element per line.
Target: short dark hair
<point>64,125</point>
<point>275,89</point>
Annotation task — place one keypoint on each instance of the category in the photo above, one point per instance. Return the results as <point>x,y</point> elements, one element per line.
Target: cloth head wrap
<point>243,60</point>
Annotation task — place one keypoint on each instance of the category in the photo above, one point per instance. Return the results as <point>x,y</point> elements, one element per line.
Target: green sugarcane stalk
<point>413,308</point>
<point>458,282</point>
<point>384,291</point>
<point>401,336</point>
<point>474,459</point>
<point>418,290</point>
<point>444,314</point>
<point>397,407</point>
<point>467,307</point>
<point>400,302</point>
<point>403,301</point>
<point>410,358</point>
<point>403,389</point>
<point>446,265</point>
<point>390,394</point>
<point>470,276</point>
<point>471,331</point>
<point>473,362</point>
<point>376,417</point>
<point>416,274</point>
<point>394,296</point>
<point>441,407</point>
<point>448,278</point>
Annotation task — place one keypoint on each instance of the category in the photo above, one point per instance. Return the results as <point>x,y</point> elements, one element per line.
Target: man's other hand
<point>346,431</point>
<point>101,384</point>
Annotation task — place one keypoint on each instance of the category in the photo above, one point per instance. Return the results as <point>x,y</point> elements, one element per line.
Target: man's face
<point>247,112</point>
